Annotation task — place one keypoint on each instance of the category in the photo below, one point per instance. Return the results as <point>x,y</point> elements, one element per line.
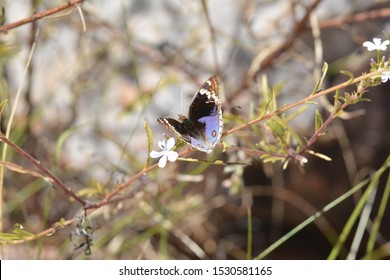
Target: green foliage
<point>318,120</point>
<point>337,246</point>
<point>347,230</point>
<point>95,189</point>
<point>2,105</point>
<point>321,81</point>
<point>18,234</point>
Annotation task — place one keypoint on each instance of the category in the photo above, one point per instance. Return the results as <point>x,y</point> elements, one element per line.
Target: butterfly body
<point>203,127</point>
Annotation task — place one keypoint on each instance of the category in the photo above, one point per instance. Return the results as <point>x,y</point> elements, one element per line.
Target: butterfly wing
<point>205,113</point>
<point>178,127</point>
<point>188,132</point>
<point>203,127</point>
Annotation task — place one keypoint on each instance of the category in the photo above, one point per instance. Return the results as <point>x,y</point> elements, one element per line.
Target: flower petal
<point>161,144</point>
<point>172,156</point>
<point>376,44</point>
<point>170,143</point>
<point>369,45</point>
<point>155,154</point>
<point>385,77</point>
<point>383,46</point>
<point>377,41</point>
<point>162,162</point>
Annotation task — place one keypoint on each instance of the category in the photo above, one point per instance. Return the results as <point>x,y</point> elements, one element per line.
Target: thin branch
<point>81,17</point>
<point>333,115</point>
<point>46,232</point>
<point>213,36</point>
<point>258,66</point>
<point>41,15</point>
<point>298,29</point>
<point>56,181</point>
<point>302,101</point>
<point>322,128</point>
<point>364,16</point>
<point>111,197</point>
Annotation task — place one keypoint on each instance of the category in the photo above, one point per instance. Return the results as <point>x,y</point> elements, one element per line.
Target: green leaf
<point>268,158</point>
<point>19,231</point>
<point>319,83</point>
<point>337,102</point>
<point>283,130</point>
<point>276,127</point>
<point>95,188</point>
<point>319,155</point>
<point>364,99</point>
<point>318,120</point>
<point>17,234</point>
<point>269,96</point>
<point>2,105</point>
<point>348,74</point>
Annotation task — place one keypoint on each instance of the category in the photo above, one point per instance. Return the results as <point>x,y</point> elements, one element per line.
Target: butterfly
<point>203,127</point>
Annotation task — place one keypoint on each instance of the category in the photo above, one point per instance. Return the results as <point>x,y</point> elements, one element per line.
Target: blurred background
<point>88,93</point>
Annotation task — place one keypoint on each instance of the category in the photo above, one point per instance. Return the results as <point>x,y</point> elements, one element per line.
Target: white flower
<point>377,45</point>
<point>385,75</point>
<point>166,153</point>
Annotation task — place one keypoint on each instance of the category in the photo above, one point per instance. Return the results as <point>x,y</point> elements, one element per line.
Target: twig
<point>254,70</point>
<point>46,232</point>
<point>111,197</point>
<point>326,123</point>
<point>213,36</point>
<point>298,29</point>
<point>322,128</point>
<point>56,181</point>
<point>364,16</point>
<point>41,15</point>
<point>302,101</point>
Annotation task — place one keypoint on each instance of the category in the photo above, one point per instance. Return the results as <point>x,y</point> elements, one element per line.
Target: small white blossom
<point>376,45</point>
<point>166,153</point>
<point>385,75</point>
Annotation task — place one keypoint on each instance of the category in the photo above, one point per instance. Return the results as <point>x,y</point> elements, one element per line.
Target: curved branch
<point>41,15</point>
